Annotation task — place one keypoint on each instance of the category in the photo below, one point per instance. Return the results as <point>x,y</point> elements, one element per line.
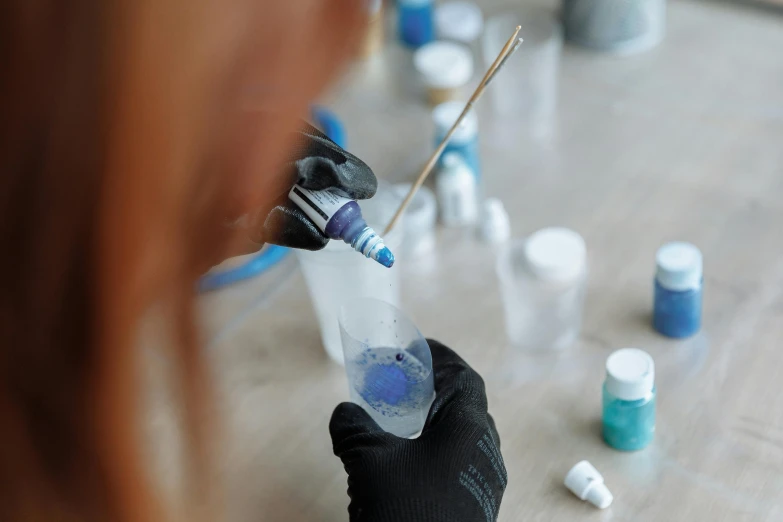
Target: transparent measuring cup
<point>338,274</point>
<point>526,91</point>
<point>388,364</point>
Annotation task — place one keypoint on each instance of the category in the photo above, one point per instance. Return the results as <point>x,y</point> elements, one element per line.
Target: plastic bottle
<point>415,22</point>
<point>543,283</point>
<point>678,290</point>
<point>495,227</point>
<point>341,218</point>
<point>464,141</point>
<point>456,189</point>
<point>629,400</point>
<point>445,68</point>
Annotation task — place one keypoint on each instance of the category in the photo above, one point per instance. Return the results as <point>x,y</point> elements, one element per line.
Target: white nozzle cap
<point>678,266</point>
<point>495,224</point>
<point>556,254</point>
<point>585,482</point>
<point>630,374</point>
<point>444,65</point>
<point>460,21</point>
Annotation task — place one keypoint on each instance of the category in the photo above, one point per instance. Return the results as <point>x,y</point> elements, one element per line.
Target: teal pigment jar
<point>629,400</point>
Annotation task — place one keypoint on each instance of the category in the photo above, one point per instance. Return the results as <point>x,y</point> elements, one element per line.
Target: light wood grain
<point>684,142</point>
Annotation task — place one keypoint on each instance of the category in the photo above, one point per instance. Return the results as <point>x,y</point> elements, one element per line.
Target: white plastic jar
<point>445,69</point>
<point>542,282</point>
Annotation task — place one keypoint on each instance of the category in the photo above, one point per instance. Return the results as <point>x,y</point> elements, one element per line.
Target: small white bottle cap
<point>444,65</point>
<point>460,21</point>
<point>630,374</point>
<point>495,224</point>
<point>679,266</point>
<point>556,254</point>
<point>445,114</point>
<point>585,482</point>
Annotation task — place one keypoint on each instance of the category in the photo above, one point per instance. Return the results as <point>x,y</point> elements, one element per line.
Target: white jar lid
<point>444,65</point>
<point>495,224</point>
<point>460,21</point>
<point>445,114</point>
<point>555,254</point>
<point>630,374</point>
<point>679,266</point>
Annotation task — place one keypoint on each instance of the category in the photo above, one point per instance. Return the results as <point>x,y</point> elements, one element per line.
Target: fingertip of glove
<point>289,227</point>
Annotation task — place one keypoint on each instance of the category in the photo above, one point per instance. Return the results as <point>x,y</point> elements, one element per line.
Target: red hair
<point>131,131</point>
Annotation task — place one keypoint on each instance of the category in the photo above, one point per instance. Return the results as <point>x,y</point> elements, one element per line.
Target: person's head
<point>130,131</point>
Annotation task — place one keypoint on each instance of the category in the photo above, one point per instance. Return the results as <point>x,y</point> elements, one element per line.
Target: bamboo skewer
<point>511,45</point>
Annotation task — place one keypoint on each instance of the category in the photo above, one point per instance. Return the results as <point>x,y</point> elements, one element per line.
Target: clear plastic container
<point>419,222</point>
<point>388,364</point>
<point>337,274</point>
<point>526,90</point>
<point>542,282</point>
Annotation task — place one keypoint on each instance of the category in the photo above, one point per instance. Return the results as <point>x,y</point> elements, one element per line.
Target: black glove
<point>452,473</point>
<point>317,163</point>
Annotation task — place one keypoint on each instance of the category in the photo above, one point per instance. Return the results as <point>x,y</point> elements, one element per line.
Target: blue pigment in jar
<point>678,290</point>
<point>629,400</point>
<point>415,22</point>
<point>464,141</point>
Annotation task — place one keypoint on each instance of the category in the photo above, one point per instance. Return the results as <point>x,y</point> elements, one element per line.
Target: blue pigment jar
<point>629,400</point>
<point>678,290</point>
<point>465,139</point>
<point>415,22</point>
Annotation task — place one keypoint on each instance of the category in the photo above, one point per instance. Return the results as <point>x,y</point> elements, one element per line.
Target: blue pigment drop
<point>385,383</point>
<point>385,257</point>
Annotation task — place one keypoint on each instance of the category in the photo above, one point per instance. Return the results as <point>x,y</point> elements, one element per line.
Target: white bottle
<point>495,227</point>
<point>456,191</point>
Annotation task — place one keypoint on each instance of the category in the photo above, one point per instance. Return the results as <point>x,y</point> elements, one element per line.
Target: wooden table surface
<point>683,142</point>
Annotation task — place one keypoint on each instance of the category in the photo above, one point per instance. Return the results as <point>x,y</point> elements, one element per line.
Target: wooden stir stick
<point>511,45</point>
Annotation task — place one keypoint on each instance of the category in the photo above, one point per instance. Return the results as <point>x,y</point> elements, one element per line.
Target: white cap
<point>444,65</point>
<point>460,21</point>
<point>444,116</point>
<point>556,254</point>
<point>585,482</point>
<point>679,266</point>
<point>630,374</point>
<point>495,224</point>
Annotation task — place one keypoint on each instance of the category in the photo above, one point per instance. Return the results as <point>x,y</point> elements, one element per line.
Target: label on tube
<point>319,205</point>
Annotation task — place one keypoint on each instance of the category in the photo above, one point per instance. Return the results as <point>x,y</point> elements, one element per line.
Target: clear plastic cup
<point>338,274</point>
<point>388,364</point>
<point>526,89</point>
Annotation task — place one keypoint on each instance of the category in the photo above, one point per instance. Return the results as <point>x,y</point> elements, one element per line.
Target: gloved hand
<point>452,473</point>
<point>317,163</point>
